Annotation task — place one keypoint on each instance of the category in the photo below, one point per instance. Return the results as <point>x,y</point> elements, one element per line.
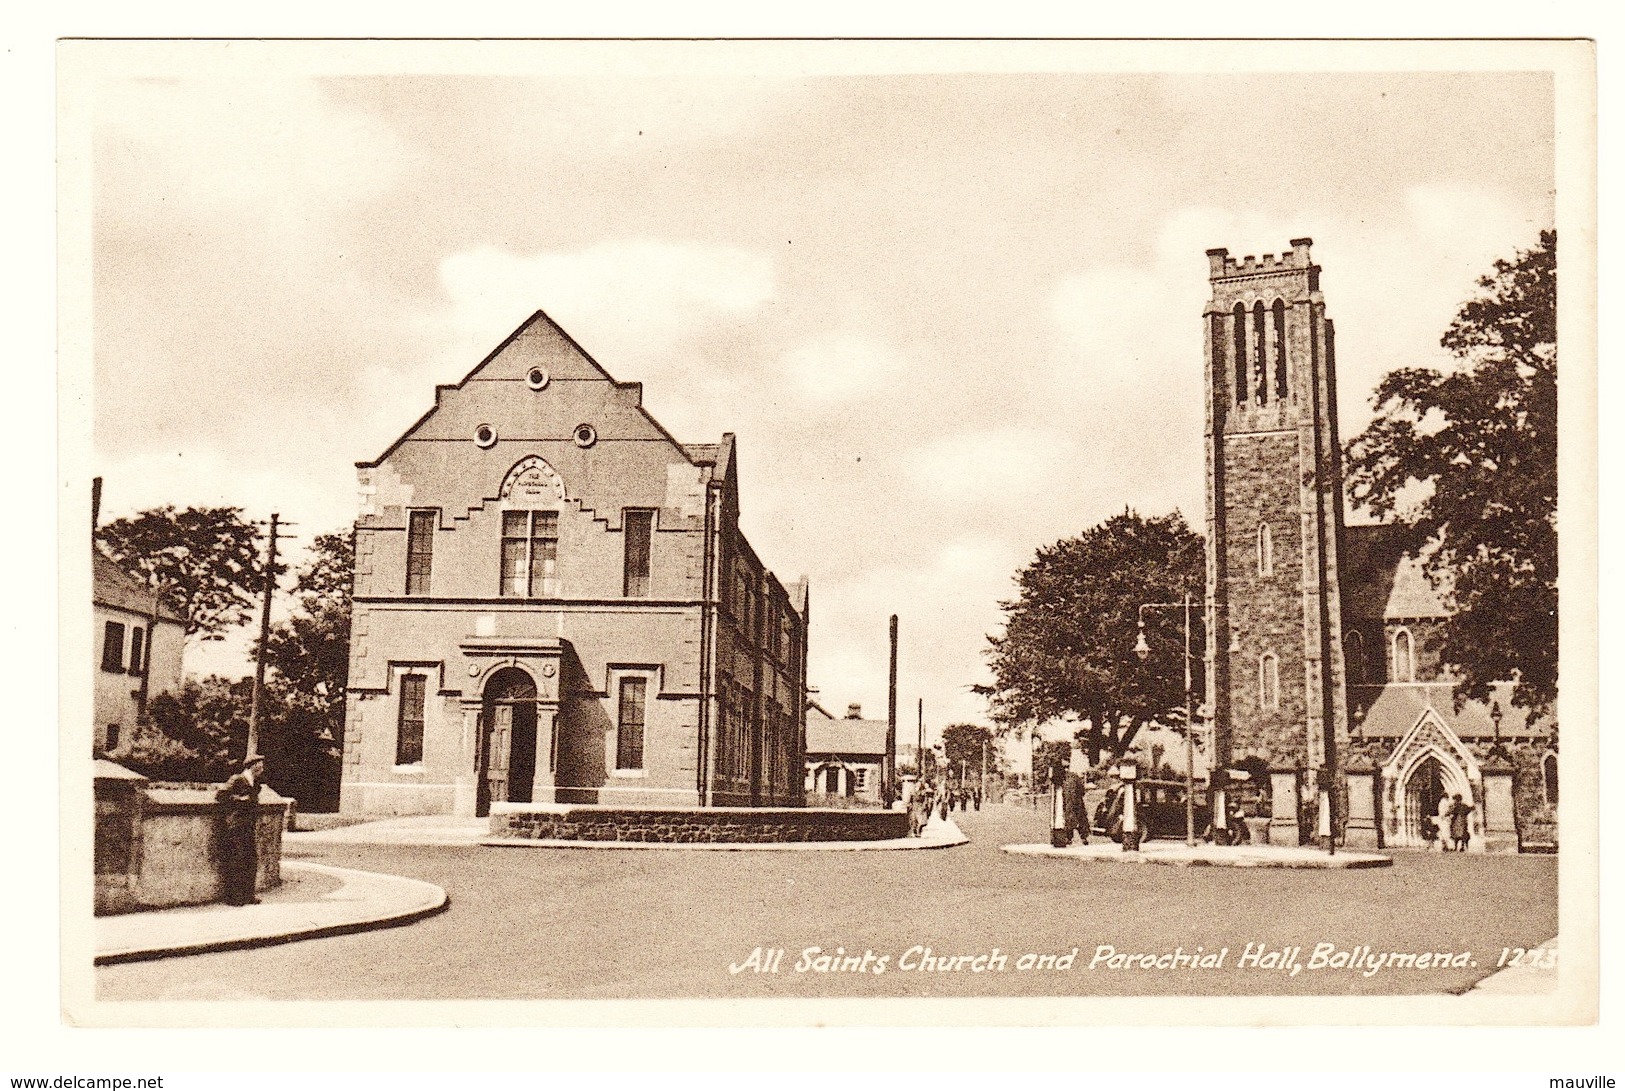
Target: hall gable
<point>538,396</point>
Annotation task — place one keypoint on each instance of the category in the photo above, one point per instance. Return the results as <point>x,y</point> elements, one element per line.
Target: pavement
<point>313,900</point>
<point>318,900</point>
<point>1179,854</point>
<point>959,901</point>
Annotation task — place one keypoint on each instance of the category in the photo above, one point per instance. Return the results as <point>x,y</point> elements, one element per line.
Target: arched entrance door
<point>1422,794</point>
<point>508,740</point>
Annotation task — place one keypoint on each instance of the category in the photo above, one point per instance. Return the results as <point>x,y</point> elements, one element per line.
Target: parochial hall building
<point>554,603</point>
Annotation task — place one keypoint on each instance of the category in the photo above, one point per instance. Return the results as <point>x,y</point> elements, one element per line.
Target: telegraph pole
<point>265,635</point>
<point>919,745</point>
<point>890,776</point>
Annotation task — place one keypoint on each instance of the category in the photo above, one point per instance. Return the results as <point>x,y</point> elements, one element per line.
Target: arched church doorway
<point>1423,791</point>
<point>508,739</point>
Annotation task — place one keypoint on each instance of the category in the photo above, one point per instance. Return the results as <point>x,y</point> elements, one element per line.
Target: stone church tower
<point>1275,683</point>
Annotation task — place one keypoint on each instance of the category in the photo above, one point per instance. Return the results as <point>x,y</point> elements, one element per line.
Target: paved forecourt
<point>1202,854</point>
<point>672,924</point>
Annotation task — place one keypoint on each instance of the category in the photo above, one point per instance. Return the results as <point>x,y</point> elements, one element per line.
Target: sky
<point>951,316</point>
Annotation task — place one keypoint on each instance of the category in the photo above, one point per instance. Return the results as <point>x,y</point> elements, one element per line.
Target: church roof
<point>1382,579</point>
<point>1398,706</point>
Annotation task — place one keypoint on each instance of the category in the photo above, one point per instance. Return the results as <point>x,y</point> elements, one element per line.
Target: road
<point>533,923</point>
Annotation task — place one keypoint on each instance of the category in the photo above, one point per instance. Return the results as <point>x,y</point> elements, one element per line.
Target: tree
<point>1466,458</point>
<point>1050,762</point>
<point>207,719</point>
<point>309,655</point>
<point>1067,650</point>
<point>205,562</point>
<point>964,743</point>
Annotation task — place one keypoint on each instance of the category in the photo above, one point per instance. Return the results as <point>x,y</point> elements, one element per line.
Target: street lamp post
<point>1142,649</point>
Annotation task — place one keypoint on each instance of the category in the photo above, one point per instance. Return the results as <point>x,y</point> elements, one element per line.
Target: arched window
<point>1261,387</point>
<point>1548,777</point>
<point>1279,310</point>
<point>1238,350</point>
<point>1354,657</point>
<point>1266,551</point>
<point>1269,682</point>
<point>1404,657</point>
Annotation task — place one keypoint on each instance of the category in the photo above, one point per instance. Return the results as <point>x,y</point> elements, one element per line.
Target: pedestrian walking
<point>1075,807</point>
<point>978,797</point>
<point>239,856</point>
<point>1441,824</point>
<point>1459,832</point>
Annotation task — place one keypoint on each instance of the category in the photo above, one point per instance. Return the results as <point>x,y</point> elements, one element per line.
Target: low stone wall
<point>157,847</point>
<point>679,825</point>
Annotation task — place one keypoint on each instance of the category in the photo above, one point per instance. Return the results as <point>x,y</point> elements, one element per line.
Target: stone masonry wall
<point>674,826</point>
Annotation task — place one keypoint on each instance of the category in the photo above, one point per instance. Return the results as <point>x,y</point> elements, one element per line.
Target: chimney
<point>854,711</point>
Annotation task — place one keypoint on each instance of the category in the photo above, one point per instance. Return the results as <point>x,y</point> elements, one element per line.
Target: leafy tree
<point>1050,762</point>
<point>1067,650</point>
<point>1467,460</point>
<point>309,654</point>
<point>964,743</point>
<point>208,719</point>
<point>204,561</point>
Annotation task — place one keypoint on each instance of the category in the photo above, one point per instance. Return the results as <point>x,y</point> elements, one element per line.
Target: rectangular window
<point>113,731</point>
<point>530,552</point>
<point>409,730</point>
<point>113,647</point>
<point>544,552</point>
<point>138,649</point>
<point>639,529</point>
<point>420,528</point>
<point>629,724</point>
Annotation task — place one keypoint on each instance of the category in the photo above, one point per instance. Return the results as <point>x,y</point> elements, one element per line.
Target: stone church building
<point>1321,651</point>
<point>554,604</point>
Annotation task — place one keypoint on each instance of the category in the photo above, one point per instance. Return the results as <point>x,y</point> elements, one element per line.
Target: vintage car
<point>1159,811</point>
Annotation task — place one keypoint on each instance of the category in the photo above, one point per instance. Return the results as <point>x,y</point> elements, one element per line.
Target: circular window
<point>586,436</point>
<point>537,378</point>
<point>485,435</point>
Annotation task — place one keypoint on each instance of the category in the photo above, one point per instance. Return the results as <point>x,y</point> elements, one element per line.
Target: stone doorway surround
<point>1429,743</point>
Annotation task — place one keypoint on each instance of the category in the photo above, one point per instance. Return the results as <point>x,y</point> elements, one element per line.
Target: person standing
<point>1441,823</point>
<point>239,855</point>
<point>1075,807</point>
<point>1459,831</point>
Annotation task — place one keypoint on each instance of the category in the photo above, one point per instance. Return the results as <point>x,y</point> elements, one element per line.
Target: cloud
<point>639,297</point>
<point>993,467</point>
<point>274,148</point>
<point>839,367</point>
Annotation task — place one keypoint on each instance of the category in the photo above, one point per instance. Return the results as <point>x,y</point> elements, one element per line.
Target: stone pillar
<point>1496,809</point>
<point>1364,828</point>
<point>1285,796</point>
<point>546,778</point>
<point>465,787</point>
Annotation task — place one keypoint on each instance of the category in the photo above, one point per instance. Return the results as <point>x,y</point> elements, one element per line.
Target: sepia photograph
<point>790,532</point>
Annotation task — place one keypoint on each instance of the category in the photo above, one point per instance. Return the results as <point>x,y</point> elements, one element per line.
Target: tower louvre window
<point>1266,551</point>
<point>1260,374</point>
<point>1238,346</point>
<point>1279,315</point>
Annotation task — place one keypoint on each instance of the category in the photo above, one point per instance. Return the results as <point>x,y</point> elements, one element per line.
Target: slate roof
<point>1397,707</point>
<point>113,587</point>
<point>1381,580</point>
<point>826,735</point>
